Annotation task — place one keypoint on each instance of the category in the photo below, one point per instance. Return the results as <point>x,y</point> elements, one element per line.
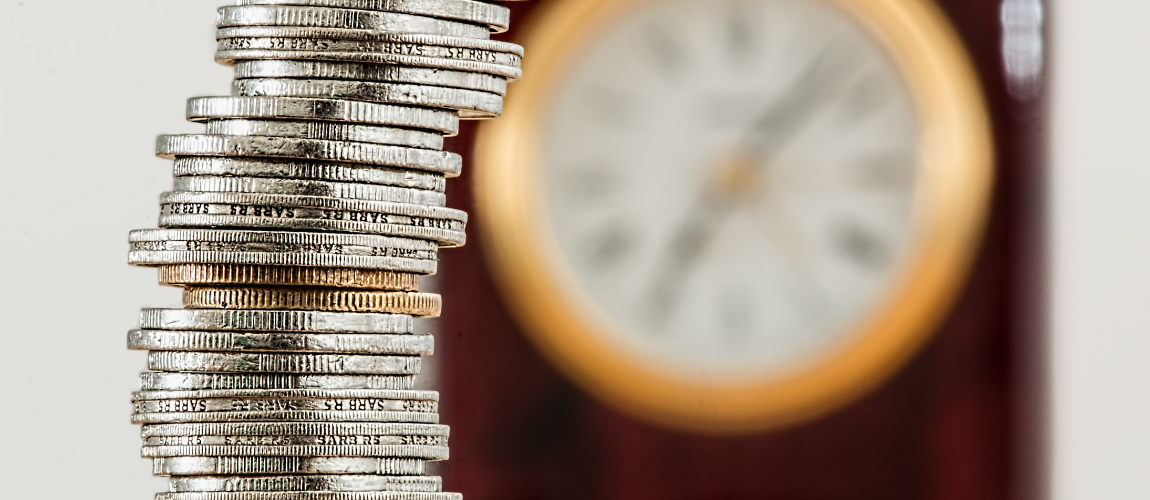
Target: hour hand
<point>686,245</point>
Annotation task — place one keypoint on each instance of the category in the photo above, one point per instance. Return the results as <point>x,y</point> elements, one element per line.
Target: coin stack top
<point>299,224</point>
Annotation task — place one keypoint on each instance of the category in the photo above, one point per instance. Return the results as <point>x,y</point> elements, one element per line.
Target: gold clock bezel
<point>955,176</point>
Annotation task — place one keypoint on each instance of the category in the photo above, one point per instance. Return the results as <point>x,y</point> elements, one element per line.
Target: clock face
<point>732,182</point>
<point>734,215</point>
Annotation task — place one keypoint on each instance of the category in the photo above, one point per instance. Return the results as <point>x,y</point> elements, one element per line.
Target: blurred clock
<point>731,215</point>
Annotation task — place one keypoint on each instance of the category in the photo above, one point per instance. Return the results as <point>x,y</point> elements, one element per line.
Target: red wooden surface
<point>962,421</point>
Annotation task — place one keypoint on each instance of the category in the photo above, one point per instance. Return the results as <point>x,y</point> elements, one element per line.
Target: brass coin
<point>256,275</point>
<point>314,299</point>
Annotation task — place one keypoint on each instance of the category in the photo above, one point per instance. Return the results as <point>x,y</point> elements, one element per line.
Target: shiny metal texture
<point>187,209</point>
<point>298,226</point>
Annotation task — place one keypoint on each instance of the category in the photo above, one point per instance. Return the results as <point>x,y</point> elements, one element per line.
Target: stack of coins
<point>299,225</point>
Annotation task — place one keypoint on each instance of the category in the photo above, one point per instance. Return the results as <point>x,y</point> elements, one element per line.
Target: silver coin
<point>284,415</point>
<point>169,381</point>
<point>240,440</point>
<point>451,218</point>
<point>470,104</point>
<point>230,57</point>
<point>172,146</point>
<point>399,451</point>
<point>191,466</point>
<point>335,364</point>
<point>336,33</point>
<point>355,343</point>
<point>290,394</point>
<point>309,170</point>
<point>326,17</point>
<point>152,258</point>
<point>446,238</point>
<point>367,113</point>
<point>348,482</point>
<point>199,209</point>
<point>301,187</point>
<point>458,217</point>
<point>409,40</point>
<point>171,217</point>
<point>150,247</point>
<point>308,495</point>
<point>337,432</point>
<point>275,321</point>
<point>270,405</point>
<point>327,131</point>
<point>451,48</point>
<point>291,440</point>
<point>496,17</point>
<point>371,73</point>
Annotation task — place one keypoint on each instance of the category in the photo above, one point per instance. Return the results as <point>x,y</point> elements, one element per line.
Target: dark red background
<point>964,420</point>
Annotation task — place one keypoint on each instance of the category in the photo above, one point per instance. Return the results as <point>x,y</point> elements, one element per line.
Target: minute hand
<point>789,114</point>
<point>688,243</point>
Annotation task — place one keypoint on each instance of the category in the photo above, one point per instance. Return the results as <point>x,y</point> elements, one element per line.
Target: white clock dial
<point>731,183</point>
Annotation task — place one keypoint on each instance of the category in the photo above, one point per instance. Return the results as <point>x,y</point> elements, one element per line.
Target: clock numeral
<point>741,33</point>
<point>861,246</point>
<point>666,52</point>
<point>609,245</point>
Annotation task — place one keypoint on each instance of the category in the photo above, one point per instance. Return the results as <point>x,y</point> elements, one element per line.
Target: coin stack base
<point>299,224</point>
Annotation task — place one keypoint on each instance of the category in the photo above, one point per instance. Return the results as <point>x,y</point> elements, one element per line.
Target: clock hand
<point>687,244</point>
<point>693,236</point>
<point>780,123</point>
<point>789,114</point>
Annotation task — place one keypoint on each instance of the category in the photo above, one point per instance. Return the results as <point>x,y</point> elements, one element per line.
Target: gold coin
<point>256,275</point>
<point>314,299</point>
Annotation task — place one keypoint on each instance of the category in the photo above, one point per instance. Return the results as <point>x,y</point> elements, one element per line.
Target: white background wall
<point>85,85</point>
<point>1101,250</point>
<point>84,88</point>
